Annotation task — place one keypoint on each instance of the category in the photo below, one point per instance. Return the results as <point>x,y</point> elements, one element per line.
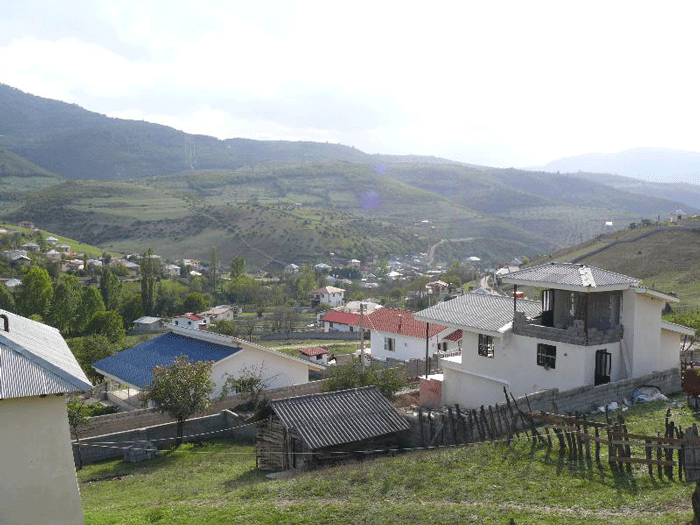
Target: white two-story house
<point>591,326</point>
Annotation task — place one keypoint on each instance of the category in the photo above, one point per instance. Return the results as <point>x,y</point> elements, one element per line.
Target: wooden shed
<point>301,432</point>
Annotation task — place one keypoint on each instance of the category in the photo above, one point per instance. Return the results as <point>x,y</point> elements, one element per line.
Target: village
<point>531,345</point>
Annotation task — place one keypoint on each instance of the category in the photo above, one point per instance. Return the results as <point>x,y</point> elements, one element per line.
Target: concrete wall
<point>135,419</point>
<point>215,426</point>
<point>38,485</point>
<point>330,336</point>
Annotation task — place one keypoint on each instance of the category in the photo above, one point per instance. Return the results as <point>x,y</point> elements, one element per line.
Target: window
<point>389,344</point>
<point>330,324</point>
<point>485,345</point>
<point>546,355</point>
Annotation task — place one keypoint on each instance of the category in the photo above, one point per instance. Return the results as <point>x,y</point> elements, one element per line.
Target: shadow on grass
<point>249,477</point>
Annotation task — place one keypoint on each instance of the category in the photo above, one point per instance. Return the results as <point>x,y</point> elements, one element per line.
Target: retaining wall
<point>135,419</point>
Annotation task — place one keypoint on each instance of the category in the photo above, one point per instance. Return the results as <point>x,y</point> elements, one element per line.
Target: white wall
<point>278,370</point>
<point>641,318</point>
<point>38,485</point>
<point>406,347</point>
<point>478,380</point>
<point>338,327</point>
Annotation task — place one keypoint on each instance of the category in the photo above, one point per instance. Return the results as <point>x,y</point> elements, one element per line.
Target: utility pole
<point>427,357</point>
<point>362,335</point>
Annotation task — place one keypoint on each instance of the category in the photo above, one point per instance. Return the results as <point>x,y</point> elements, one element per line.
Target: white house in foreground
<point>592,326</point>
<point>37,368</point>
<point>396,334</point>
<point>134,366</point>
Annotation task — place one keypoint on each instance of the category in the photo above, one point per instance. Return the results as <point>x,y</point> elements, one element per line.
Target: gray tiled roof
<point>336,418</point>
<point>488,313</point>
<point>35,360</point>
<point>570,275</point>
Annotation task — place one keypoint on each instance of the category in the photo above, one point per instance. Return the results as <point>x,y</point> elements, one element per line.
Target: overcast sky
<point>495,83</point>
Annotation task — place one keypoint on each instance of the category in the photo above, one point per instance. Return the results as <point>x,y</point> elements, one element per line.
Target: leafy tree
<point>194,302</point>
<point>243,290</point>
<point>90,349</point>
<point>285,319</point>
<point>148,282</point>
<point>35,293</point>
<point>224,327</point>
<point>109,324</point>
<point>131,309</point>
<point>305,282</point>
<point>249,382</point>
<point>168,299</point>
<point>181,389</point>
<point>691,319</point>
<point>110,289</point>
<point>353,375</point>
<point>67,295</point>
<point>90,304</point>
<point>237,267</point>
<point>7,300</point>
<point>78,413</point>
<point>214,264</point>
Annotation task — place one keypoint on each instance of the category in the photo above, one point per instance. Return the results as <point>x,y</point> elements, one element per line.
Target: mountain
<point>128,185</point>
<point>650,164</point>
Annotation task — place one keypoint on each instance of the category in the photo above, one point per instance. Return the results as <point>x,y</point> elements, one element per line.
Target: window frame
<point>546,356</point>
<point>390,344</point>
<point>485,346</point>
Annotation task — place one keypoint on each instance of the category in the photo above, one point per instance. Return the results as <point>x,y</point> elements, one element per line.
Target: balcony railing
<point>575,334</point>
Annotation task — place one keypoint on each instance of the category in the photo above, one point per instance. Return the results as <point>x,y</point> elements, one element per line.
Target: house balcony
<point>575,334</point>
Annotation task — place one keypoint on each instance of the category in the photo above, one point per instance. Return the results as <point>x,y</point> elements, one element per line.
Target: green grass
<point>483,483</point>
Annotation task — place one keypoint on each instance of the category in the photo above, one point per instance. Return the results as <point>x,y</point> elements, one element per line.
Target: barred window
<point>546,355</point>
<point>389,344</point>
<point>485,345</point>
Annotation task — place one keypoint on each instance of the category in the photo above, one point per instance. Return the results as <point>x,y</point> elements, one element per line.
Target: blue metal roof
<point>135,365</point>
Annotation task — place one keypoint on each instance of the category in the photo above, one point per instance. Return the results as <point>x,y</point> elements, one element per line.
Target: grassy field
<point>482,483</point>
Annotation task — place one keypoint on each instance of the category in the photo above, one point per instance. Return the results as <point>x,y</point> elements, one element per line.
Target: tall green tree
<point>7,300</point>
<point>110,289</point>
<point>194,302</point>
<point>214,267</point>
<point>35,293</point>
<point>305,282</point>
<point>90,349</point>
<point>181,389</point>
<point>67,296</point>
<point>148,282</point>
<point>91,303</point>
<point>109,324</point>
<point>237,267</point>
<point>78,413</point>
<point>131,309</point>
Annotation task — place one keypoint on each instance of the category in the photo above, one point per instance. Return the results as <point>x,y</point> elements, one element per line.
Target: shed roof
<point>35,360</point>
<point>478,312</point>
<point>326,290</point>
<point>313,351</point>
<point>571,276</point>
<point>454,336</point>
<point>396,321</point>
<point>135,365</point>
<point>336,418</point>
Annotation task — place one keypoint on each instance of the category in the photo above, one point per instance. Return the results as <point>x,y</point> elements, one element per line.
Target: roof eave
<point>567,287</point>
<point>654,293</point>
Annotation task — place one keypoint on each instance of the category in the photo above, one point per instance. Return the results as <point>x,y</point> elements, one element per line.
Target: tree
<point>67,295</point>
<point>224,327</point>
<point>691,320</point>
<point>305,282</point>
<point>110,289</point>
<point>181,389</point>
<point>90,304</point>
<point>249,382</point>
<point>237,267</point>
<point>148,282</point>
<point>131,309</point>
<point>35,293</point>
<point>214,267</point>
<point>78,414</point>
<point>352,375</point>
<point>109,324</point>
<point>90,349</point>
<point>194,302</point>
<point>7,301</point>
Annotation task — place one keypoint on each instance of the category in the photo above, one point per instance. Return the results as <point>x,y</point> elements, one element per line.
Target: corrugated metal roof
<point>135,365</point>
<point>486,313</point>
<point>570,275</point>
<point>35,360</point>
<point>336,418</point>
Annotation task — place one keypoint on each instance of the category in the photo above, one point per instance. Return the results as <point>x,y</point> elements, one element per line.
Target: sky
<point>493,83</point>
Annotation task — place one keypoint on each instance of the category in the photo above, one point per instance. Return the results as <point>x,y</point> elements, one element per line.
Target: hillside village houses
<point>134,366</point>
<point>591,326</point>
<point>327,296</point>
<point>39,485</point>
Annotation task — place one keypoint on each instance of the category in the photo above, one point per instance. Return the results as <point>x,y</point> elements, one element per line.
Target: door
<point>603,363</point>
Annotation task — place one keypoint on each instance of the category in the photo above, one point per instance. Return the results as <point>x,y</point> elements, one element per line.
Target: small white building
<point>291,269</point>
<point>591,327</point>
<point>148,324</point>
<point>396,334</point>
<point>231,356</point>
<point>328,296</point>
<point>315,354</point>
<point>222,312</point>
<point>171,270</point>
<point>51,241</point>
<point>39,486</point>
<point>189,320</point>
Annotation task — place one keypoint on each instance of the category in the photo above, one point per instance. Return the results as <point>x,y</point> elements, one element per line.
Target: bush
<point>388,380</point>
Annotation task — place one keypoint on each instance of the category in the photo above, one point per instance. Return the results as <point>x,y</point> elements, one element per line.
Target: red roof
<point>454,336</point>
<point>313,350</point>
<point>401,322</point>
<point>335,316</point>
<point>192,317</point>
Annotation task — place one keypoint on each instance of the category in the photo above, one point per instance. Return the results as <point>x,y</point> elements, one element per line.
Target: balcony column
<point>585,318</point>
<point>515,298</point>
